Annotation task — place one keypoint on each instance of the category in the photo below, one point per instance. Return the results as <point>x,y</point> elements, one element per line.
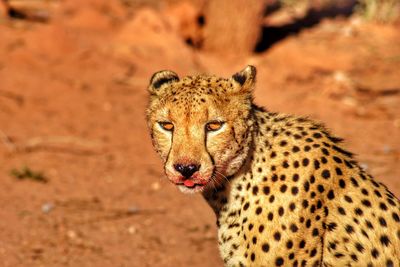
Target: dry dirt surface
<point>72,105</point>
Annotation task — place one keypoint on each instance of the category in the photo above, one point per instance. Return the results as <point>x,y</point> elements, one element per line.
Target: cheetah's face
<point>200,126</point>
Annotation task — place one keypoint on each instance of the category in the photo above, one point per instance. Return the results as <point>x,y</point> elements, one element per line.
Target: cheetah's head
<point>201,126</point>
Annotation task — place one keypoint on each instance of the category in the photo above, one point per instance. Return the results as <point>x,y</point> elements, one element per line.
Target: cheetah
<point>284,190</point>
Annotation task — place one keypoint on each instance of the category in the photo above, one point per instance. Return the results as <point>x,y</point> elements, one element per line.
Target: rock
<point>149,40</point>
<point>184,19</point>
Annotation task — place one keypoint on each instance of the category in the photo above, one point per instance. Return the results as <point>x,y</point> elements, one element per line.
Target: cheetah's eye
<point>166,125</point>
<point>214,126</point>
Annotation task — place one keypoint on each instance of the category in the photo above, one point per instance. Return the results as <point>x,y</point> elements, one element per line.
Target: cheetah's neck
<point>226,200</point>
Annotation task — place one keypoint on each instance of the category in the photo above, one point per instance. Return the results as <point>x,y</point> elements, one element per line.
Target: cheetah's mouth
<point>190,186</point>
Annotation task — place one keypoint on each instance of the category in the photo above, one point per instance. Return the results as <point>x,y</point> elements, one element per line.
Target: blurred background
<point>80,183</point>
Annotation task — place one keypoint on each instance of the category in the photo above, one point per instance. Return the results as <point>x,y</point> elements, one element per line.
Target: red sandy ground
<point>72,104</point>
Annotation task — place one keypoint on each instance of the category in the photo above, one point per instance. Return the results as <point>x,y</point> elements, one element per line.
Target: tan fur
<point>284,191</point>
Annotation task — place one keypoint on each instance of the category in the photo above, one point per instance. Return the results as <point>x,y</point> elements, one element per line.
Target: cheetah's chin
<point>191,190</point>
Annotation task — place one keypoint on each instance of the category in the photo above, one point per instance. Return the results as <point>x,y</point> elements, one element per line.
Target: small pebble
<point>387,149</point>
<point>47,207</point>
<point>71,234</point>
<point>341,77</point>
<point>133,209</point>
<point>155,186</point>
<point>132,230</point>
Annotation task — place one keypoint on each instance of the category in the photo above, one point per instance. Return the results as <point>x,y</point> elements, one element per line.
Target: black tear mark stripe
<point>208,153</point>
<point>234,134</point>
<point>169,152</point>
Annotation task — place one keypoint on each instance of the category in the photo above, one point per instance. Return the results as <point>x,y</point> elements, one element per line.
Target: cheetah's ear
<point>160,79</point>
<point>244,80</point>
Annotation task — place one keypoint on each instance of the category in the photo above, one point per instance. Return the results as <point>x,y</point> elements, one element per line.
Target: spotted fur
<point>284,190</point>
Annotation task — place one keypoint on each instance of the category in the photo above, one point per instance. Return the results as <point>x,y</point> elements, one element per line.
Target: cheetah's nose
<point>186,170</point>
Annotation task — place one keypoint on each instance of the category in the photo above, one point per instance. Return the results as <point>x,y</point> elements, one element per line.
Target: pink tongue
<point>188,183</point>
